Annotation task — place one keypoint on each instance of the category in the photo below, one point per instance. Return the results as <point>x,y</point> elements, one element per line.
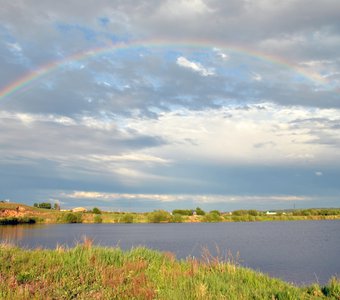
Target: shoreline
<point>15,213</point>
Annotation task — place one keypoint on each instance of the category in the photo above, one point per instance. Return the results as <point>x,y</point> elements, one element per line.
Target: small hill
<point>18,210</point>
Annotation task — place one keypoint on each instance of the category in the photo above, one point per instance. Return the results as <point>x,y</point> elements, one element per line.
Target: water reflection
<point>10,233</point>
<point>16,233</point>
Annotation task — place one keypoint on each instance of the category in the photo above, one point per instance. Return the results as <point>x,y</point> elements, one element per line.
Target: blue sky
<point>169,126</point>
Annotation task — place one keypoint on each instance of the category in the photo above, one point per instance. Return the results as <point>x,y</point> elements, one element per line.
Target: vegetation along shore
<point>15,213</point>
<point>90,272</point>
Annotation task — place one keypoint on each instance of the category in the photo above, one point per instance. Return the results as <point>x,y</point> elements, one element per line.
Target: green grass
<point>87,272</point>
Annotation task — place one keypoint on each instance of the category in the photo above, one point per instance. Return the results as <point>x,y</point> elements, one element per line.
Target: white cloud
<point>28,119</point>
<point>183,8</point>
<point>96,123</point>
<point>318,173</point>
<point>221,54</point>
<point>256,76</point>
<point>234,139</point>
<point>130,157</point>
<point>197,198</point>
<point>14,47</point>
<point>195,66</point>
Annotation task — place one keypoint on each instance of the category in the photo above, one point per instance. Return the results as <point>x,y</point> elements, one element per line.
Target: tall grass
<point>89,272</point>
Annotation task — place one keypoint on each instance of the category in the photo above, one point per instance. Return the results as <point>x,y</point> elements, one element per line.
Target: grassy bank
<point>87,272</point>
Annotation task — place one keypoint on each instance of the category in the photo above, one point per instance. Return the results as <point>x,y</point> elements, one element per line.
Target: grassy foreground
<point>87,272</point>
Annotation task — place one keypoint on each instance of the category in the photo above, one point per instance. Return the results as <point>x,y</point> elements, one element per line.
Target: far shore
<point>16,213</point>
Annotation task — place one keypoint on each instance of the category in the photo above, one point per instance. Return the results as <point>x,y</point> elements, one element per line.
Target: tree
<point>56,206</point>
<point>96,211</point>
<point>200,211</point>
<point>45,205</point>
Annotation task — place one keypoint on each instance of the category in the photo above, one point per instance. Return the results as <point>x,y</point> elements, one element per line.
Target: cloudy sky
<point>141,105</point>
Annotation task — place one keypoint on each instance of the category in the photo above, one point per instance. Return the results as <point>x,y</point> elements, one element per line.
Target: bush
<point>45,205</point>
<point>126,218</point>
<point>176,218</point>
<point>332,289</point>
<point>240,212</point>
<point>9,221</point>
<point>183,212</point>
<point>15,221</point>
<point>212,217</point>
<point>239,218</point>
<point>200,211</point>
<point>217,212</point>
<point>98,219</point>
<point>159,216</point>
<point>72,218</point>
<point>253,212</point>
<point>96,211</point>
<point>27,220</point>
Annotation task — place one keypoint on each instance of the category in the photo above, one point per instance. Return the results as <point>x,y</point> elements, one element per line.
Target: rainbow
<point>50,67</point>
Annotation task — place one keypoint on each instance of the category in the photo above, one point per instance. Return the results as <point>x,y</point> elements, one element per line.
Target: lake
<point>300,252</point>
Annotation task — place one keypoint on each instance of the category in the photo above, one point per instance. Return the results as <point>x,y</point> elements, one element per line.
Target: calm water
<point>300,252</point>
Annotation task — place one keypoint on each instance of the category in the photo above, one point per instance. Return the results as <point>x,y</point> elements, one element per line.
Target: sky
<point>144,105</point>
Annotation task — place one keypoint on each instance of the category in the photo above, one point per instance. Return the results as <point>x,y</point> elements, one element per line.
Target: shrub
<point>253,212</point>
<point>183,212</point>
<point>240,212</point>
<point>98,219</point>
<point>200,211</point>
<point>217,212</point>
<point>332,289</point>
<point>126,218</point>
<point>159,216</point>
<point>9,221</point>
<point>15,221</point>
<point>176,218</point>
<point>72,218</point>
<point>239,218</point>
<point>212,217</point>
<point>96,211</point>
<point>45,205</point>
<point>27,220</point>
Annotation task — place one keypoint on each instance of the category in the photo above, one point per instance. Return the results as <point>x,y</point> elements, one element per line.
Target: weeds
<point>90,272</point>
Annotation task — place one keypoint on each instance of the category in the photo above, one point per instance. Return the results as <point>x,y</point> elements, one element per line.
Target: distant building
<point>271,212</point>
<point>79,209</point>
